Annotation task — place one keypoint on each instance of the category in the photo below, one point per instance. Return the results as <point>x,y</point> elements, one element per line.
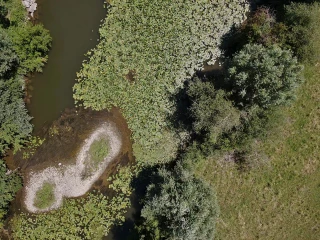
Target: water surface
<point>73,25</point>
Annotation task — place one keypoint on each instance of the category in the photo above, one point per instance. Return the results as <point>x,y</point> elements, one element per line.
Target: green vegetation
<point>10,183</point>
<point>303,30</point>
<point>211,110</point>
<point>45,196</point>
<point>179,206</point>
<point>263,76</point>
<point>87,218</point>
<point>163,42</point>
<point>98,150</point>
<point>279,200</point>
<point>24,49</point>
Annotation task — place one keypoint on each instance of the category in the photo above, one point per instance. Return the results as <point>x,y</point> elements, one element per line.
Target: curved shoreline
<point>68,180</point>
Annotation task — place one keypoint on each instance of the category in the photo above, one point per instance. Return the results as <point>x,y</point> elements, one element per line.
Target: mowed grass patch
<point>282,199</point>
<point>98,150</point>
<point>45,196</point>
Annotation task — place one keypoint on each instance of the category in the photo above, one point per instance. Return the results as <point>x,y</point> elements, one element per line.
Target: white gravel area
<point>68,180</point>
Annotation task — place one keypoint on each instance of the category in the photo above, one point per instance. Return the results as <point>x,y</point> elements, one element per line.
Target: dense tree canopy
<point>211,110</point>
<point>31,43</point>
<point>147,49</point>
<point>10,183</point>
<point>303,34</point>
<point>14,119</point>
<point>179,207</point>
<point>264,76</point>
<point>8,58</point>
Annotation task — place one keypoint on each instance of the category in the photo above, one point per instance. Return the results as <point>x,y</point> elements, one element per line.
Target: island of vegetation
<point>224,151</point>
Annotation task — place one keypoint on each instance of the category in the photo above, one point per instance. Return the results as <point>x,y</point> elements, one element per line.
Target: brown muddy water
<point>73,25</point>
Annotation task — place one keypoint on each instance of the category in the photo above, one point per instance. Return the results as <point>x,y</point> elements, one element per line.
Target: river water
<point>73,25</point>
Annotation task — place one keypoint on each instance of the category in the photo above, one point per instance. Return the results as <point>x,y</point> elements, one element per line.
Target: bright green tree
<point>32,44</point>
<point>264,76</point>
<point>179,207</point>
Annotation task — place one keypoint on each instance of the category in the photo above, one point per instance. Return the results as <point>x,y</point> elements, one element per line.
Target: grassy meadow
<point>280,200</point>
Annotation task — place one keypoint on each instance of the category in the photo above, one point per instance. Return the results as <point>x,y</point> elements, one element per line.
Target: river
<point>73,25</point>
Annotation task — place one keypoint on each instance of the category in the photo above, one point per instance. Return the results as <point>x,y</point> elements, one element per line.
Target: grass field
<point>282,199</point>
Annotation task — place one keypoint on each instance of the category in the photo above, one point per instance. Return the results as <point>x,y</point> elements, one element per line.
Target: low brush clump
<point>45,196</point>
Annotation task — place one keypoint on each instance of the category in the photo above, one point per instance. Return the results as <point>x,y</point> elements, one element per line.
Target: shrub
<point>179,207</point>
<point>211,110</point>
<point>303,35</point>
<point>264,76</point>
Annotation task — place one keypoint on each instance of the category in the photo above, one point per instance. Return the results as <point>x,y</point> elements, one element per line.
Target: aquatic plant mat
<point>68,179</point>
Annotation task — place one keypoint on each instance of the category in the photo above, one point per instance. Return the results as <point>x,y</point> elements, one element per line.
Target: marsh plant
<point>45,196</point>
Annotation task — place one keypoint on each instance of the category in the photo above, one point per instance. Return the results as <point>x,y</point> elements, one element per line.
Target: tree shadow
<point>128,230</point>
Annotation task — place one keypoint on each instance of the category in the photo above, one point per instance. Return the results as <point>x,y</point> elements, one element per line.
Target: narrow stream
<point>73,25</point>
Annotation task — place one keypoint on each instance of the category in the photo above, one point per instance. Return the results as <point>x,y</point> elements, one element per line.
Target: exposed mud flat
<point>69,180</point>
<point>65,139</point>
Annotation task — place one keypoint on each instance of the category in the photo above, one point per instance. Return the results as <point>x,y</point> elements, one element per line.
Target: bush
<point>211,110</point>
<point>264,76</point>
<point>179,207</point>
<point>32,44</point>
<point>304,33</point>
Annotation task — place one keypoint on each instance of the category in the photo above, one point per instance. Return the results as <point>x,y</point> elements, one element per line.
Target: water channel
<point>73,25</point>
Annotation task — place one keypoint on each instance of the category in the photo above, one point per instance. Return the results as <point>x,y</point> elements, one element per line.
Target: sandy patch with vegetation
<point>69,181</point>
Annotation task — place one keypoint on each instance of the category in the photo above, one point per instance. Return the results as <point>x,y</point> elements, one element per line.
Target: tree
<point>14,119</point>
<point>303,36</point>
<point>8,58</point>
<point>264,76</point>
<point>211,110</point>
<point>10,183</point>
<point>32,44</point>
<point>179,207</point>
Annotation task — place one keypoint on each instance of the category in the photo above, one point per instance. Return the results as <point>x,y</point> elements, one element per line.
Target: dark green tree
<point>14,119</point>
<point>8,58</point>
<point>303,36</point>
<point>210,108</point>
<point>179,207</point>
<point>10,183</point>
<point>264,76</point>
